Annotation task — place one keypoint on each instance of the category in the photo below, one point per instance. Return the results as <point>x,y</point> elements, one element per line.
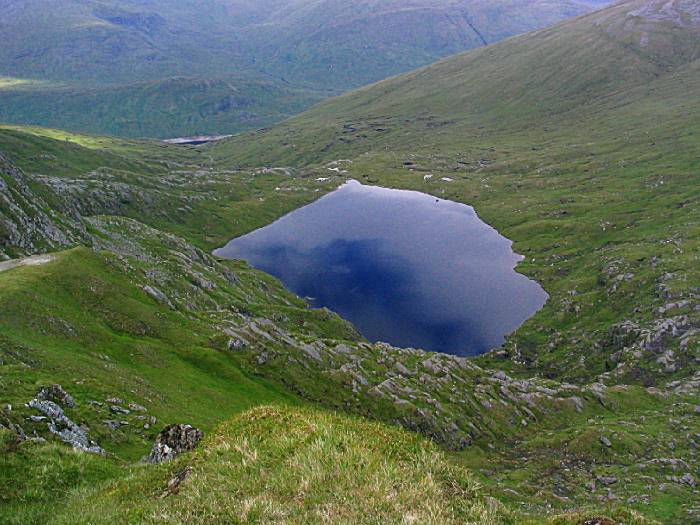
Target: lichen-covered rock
<point>56,394</point>
<point>60,425</point>
<point>173,440</point>
<point>158,295</point>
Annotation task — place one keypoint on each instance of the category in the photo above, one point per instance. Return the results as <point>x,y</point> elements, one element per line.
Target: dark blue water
<point>402,266</point>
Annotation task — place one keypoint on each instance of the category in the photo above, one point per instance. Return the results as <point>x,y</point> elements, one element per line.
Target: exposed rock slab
<point>173,440</point>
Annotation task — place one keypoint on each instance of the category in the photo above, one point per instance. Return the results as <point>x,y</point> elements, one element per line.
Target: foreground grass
<point>274,465</point>
<point>35,478</point>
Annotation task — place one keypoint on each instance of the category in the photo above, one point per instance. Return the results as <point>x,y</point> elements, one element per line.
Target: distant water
<point>402,266</point>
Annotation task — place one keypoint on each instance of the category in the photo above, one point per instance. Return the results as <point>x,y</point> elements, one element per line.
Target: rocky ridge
<point>447,398</point>
<point>59,424</point>
<point>28,224</point>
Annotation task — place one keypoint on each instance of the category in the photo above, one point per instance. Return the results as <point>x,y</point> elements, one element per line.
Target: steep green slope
<point>118,67</point>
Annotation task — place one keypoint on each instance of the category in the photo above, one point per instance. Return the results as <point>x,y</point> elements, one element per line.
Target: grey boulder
<point>173,440</point>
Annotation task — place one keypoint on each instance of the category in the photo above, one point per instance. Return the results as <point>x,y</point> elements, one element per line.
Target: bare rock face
<point>28,225</point>
<point>173,440</point>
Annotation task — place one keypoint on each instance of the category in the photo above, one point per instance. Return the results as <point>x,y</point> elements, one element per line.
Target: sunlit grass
<point>86,141</point>
<point>10,82</point>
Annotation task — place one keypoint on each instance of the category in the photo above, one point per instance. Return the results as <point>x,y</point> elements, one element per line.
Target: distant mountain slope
<point>107,42</point>
<point>348,44</point>
<point>75,46</point>
<point>606,61</point>
<point>104,41</point>
<point>172,107</point>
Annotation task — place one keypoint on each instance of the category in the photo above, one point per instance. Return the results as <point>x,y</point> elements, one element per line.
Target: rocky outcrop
<point>102,191</point>
<point>668,343</point>
<point>449,399</point>
<point>158,295</point>
<point>173,272</point>
<point>58,423</point>
<point>172,441</point>
<point>28,225</point>
<point>56,394</point>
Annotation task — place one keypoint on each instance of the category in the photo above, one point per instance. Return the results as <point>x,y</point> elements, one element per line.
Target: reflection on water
<point>402,266</point>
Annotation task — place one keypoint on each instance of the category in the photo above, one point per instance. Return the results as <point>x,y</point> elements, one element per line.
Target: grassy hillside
<point>102,336</point>
<point>167,108</point>
<point>577,142</point>
<point>299,467</point>
<point>587,163</point>
<point>281,465</point>
<point>84,319</point>
<point>159,68</point>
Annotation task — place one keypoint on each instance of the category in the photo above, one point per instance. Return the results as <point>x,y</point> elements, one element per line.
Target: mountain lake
<point>404,267</point>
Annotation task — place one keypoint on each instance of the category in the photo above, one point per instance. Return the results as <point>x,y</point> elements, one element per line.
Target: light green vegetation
<point>276,465</point>
<point>567,460</point>
<point>103,336</point>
